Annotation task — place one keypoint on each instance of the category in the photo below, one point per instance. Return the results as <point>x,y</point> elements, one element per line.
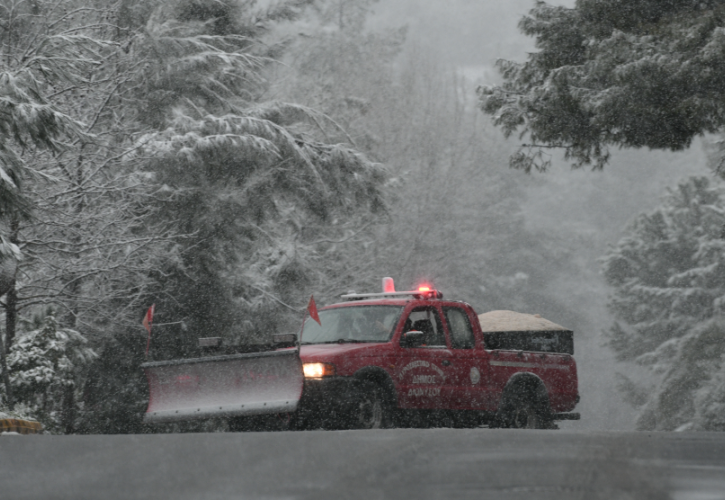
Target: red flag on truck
<point>312,309</point>
<point>149,318</point>
<point>147,322</point>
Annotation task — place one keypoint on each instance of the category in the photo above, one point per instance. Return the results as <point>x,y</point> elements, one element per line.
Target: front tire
<point>369,411</point>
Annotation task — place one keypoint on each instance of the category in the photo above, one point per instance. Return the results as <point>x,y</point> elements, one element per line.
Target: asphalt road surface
<point>397,464</point>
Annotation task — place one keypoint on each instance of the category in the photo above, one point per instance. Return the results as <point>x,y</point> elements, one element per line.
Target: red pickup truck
<point>408,359</point>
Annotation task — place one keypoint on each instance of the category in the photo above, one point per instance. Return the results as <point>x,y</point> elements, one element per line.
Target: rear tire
<point>524,404</point>
<point>525,416</point>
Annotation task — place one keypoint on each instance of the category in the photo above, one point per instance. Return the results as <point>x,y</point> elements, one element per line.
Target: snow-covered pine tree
<point>256,193</point>
<point>46,364</point>
<point>624,73</point>
<point>668,279</point>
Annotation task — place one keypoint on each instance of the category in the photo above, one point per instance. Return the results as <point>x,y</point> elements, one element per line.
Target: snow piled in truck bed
<point>511,321</point>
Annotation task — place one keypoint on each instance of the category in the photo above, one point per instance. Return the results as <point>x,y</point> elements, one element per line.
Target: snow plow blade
<point>222,386</point>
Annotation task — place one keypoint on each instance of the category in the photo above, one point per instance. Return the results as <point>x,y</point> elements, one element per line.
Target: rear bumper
<point>566,416</point>
<point>563,402</point>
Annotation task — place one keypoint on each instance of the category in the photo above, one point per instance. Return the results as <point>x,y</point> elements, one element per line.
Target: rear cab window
<point>459,328</point>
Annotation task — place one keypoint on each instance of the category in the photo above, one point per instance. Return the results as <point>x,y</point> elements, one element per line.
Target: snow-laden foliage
<point>259,199</point>
<point>26,120</point>
<point>629,73</point>
<point>710,402</point>
<point>84,228</point>
<point>157,173</point>
<point>668,275</point>
<point>257,194</point>
<point>47,357</point>
<point>44,365</point>
<point>44,51</point>
<point>20,411</point>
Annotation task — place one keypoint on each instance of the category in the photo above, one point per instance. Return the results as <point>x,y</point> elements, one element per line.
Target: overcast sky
<point>468,32</point>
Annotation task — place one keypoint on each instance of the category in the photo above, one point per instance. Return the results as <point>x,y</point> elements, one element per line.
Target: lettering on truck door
<point>424,373</point>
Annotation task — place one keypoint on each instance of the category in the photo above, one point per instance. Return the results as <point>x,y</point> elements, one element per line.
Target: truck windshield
<point>352,324</point>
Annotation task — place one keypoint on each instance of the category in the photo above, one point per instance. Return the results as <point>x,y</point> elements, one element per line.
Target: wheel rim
<point>370,413</point>
<point>525,418</point>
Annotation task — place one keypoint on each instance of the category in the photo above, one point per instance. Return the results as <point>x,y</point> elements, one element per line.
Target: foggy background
<point>592,207</point>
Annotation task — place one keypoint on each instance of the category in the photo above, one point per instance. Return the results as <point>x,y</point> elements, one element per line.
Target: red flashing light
<point>428,292</point>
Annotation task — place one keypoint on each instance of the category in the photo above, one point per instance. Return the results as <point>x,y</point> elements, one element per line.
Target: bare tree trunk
<point>11,319</point>
<point>69,409</point>
<point>68,412</point>
<point>6,377</point>
<point>74,286</point>
<point>11,298</point>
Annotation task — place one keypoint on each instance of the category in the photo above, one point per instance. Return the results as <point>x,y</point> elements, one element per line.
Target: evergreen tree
<point>624,73</point>
<point>46,55</point>
<point>669,289</point>
<point>257,201</point>
<point>46,365</point>
<point>256,195</point>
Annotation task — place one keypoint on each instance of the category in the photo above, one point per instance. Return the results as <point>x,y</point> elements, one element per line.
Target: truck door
<point>424,374</point>
<point>470,369</point>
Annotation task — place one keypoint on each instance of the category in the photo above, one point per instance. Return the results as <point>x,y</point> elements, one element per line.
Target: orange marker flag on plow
<point>148,320</point>
<point>312,309</point>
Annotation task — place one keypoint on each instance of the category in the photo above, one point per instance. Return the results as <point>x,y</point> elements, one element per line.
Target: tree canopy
<point>140,163</point>
<point>619,73</point>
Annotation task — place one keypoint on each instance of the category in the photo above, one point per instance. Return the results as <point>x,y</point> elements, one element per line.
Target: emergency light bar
<point>423,292</point>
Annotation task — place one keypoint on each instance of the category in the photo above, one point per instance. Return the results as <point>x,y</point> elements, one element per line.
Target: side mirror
<point>413,338</point>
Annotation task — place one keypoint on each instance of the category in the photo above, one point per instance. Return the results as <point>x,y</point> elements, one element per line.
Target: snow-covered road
<point>406,464</point>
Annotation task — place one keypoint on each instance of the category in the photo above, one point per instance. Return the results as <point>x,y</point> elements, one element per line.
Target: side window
<point>460,328</point>
<point>427,320</point>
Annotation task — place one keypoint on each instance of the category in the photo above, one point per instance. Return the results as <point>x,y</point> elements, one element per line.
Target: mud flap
<point>224,386</point>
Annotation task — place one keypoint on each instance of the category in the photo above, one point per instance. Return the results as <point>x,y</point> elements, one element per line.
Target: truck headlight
<point>318,370</point>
